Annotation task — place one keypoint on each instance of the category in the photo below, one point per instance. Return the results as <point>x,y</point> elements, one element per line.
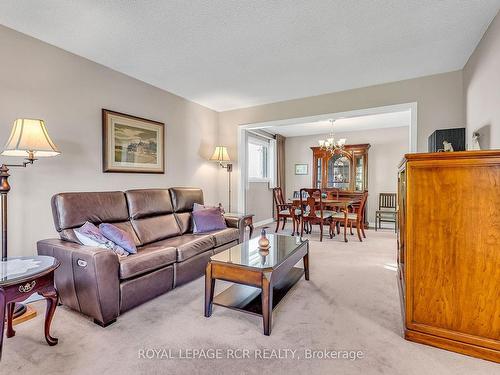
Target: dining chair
<point>333,193</point>
<point>357,217</point>
<point>285,211</point>
<point>313,212</point>
<point>386,210</point>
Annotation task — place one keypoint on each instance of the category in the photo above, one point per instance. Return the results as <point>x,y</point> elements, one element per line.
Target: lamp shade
<point>220,154</point>
<point>30,136</point>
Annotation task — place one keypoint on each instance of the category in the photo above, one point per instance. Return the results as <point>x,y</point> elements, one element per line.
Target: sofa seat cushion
<point>189,245</point>
<point>224,236</point>
<point>147,259</point>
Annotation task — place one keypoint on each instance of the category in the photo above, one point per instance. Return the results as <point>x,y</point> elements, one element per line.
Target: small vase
<point>263,241</point>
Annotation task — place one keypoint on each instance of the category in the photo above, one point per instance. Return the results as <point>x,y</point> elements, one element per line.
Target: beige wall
<point>387,147</point>
<point>260,201</point>
<point>482,88</point>
<point>68,92</point>
<point>439,98</point>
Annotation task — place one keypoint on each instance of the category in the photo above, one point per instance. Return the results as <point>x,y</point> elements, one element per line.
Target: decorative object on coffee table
<point>263,246</point>
<point>260,282</point>
<point>264,241</point>
<point>29,138</point>
<point>221,156</point>
<point>132,144</point>
<point>21,277</point>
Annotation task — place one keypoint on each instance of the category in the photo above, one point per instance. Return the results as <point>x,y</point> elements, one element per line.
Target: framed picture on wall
<point>301,169</point>
<point>132,144</point>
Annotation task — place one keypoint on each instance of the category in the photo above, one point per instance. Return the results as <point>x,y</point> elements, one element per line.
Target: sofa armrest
<point>88,278</point>
<point>236,221</point>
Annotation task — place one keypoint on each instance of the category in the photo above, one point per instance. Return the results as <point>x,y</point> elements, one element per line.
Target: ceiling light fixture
<point>330,144</point>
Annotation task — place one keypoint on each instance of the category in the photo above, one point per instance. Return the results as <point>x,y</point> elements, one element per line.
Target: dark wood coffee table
<point>261,280</point>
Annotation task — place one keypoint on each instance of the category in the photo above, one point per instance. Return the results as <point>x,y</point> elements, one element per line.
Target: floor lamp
<point>221,156</point>
<point>28,138</point>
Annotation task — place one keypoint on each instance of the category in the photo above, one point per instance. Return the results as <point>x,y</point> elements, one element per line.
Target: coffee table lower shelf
<point>248,299</point>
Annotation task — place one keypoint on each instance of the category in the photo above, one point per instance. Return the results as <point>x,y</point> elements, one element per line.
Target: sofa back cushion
<point>183,199</point>
<point>72,210</point>
<point>151,214</point>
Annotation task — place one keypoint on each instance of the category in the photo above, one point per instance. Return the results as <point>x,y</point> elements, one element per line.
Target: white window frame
<point>265,143</point>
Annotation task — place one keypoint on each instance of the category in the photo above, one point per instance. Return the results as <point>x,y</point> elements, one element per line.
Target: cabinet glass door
<point>339,172</point>
<point>319,173</point>
<point>359,173</point>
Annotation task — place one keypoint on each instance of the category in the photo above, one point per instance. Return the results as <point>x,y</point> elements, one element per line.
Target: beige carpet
<point>350,303</point>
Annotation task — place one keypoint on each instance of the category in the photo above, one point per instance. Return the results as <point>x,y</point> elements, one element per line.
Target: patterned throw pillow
<point>119,237</point>
<point>89,235</point>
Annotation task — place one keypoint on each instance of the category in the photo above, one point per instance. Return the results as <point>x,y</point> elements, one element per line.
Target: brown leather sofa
<point>100,284</point>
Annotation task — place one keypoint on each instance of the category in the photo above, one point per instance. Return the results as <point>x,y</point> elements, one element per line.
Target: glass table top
<point>18,268</point>
<point>247,253</point>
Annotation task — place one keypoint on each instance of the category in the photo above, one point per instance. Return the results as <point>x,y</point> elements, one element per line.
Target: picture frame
<point>132,144</point>
<point>301,169</point>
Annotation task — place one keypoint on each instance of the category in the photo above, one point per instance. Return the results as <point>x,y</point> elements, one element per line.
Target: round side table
<point>20,277</point>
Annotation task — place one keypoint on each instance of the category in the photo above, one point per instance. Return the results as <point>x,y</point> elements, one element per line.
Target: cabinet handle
<point>81,263</point>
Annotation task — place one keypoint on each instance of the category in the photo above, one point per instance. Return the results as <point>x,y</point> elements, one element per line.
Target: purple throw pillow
<point>197,207</point>
<point>119,237</point>
<point>208,219</point>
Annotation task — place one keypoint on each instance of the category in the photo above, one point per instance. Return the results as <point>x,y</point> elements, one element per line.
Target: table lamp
<point>221,156</point>
<point>28,138</point>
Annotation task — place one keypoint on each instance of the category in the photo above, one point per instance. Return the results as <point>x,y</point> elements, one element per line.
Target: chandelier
<point>330,144</point>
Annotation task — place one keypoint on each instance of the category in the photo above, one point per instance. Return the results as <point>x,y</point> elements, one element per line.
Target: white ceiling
<point>228,54</point>
<point>369,122</point>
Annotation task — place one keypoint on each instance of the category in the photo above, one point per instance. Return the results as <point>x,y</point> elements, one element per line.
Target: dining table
<point>332,203</point>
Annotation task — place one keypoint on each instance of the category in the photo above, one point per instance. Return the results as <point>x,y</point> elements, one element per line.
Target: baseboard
<point>454,346</point>
<point>263,222</point>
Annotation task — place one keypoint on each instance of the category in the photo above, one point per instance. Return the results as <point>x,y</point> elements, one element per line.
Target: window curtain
<point>280,162</point>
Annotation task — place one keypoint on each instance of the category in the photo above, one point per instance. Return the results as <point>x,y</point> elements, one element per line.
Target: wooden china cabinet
<point>344,170</point>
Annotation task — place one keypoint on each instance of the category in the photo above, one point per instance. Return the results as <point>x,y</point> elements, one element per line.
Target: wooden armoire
<point>449,250</point>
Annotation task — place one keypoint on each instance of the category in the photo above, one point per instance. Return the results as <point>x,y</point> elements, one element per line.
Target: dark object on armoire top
<point>454,136</point>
